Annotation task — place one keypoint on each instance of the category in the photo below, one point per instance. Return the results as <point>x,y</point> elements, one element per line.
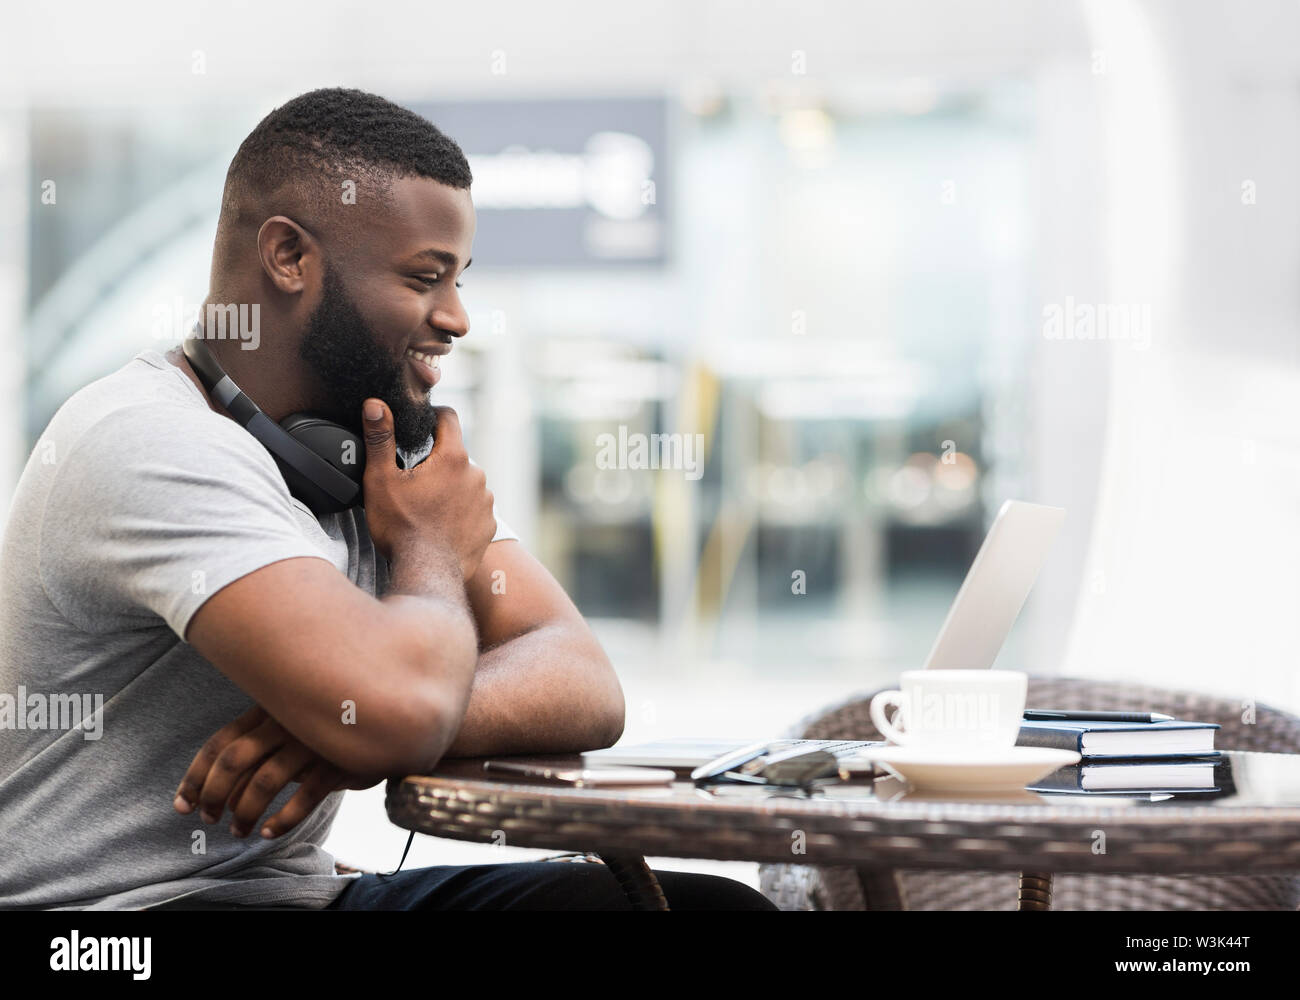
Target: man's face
<point>389,306</point>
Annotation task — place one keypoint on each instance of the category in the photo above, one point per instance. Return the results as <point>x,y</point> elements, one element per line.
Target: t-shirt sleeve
<point>155,509</point>
<point>504,531</point>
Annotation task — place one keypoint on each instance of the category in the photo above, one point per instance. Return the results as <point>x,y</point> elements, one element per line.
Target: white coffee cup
<point>970,709</point>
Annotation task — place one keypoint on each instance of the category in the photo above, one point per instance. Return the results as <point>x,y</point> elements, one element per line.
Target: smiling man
<point>255,658</point>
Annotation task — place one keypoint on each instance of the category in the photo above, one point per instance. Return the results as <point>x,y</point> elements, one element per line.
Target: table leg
<point>638,881</point>
<point>1035,891</point>
<point>880,889</point>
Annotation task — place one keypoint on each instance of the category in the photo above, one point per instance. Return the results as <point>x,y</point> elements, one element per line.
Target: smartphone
<point>584,777</point>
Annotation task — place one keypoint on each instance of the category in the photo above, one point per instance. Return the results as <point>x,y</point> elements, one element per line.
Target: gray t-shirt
<point>137,504</point>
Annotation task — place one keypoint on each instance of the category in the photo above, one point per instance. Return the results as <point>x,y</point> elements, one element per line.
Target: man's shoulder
<point>146,404</point>
<point>147,379</point>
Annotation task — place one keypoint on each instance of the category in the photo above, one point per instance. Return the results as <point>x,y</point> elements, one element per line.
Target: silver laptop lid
<point>996,587</point>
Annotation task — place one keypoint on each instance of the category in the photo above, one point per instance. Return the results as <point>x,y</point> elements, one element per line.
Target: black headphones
<point>321,461</point>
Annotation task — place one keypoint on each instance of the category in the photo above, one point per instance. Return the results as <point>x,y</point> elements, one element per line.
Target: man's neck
<point>270,374</point>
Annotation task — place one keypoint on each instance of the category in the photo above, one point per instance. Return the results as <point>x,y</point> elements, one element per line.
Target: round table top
<point>1251,824</point>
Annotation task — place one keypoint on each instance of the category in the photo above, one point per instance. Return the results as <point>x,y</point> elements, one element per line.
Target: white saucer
<point>946,769</point>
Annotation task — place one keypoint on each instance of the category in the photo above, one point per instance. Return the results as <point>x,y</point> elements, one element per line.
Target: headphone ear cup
<point>332,442</point>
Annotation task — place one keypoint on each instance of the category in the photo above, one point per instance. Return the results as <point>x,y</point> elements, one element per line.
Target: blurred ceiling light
<point>579,484</point>
<point>954,500</point>
<point>788,93</point>
<point>957,473</point>
<point>875,485</point>
<point>807,130</point>
<point>784,485</point>
<point>909,487</point>
<point>703,97</point>
<point>612,486</point>
<point>808,490</point>
<point>607,496</point>
<point>925,490</point>
<point>821,476</point>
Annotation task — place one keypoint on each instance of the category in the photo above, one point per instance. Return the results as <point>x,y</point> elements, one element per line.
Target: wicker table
<point>1254,827</point>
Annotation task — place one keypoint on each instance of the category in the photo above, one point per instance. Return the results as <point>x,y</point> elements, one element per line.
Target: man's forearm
<point>551,690</point>
<point>427,589</point>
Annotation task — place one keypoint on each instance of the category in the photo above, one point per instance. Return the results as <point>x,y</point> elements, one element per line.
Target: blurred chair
<point>806,887</point>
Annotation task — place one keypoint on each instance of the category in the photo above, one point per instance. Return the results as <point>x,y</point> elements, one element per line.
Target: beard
<point>340,348</point>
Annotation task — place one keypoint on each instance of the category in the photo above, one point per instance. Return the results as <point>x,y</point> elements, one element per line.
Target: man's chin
<point>413,427</point>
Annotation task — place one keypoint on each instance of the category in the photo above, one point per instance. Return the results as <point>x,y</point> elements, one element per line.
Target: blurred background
<point>886,265</point>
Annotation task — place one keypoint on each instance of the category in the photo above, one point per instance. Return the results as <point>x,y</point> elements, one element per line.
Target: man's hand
<point>441,507</point>
<point>246,764</point>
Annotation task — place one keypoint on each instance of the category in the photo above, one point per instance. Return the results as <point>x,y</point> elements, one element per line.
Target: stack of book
<point>1128,754</point>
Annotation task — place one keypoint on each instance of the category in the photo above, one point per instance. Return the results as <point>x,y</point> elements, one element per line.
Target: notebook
<point>1133,776</point>
<point>1093,738</point>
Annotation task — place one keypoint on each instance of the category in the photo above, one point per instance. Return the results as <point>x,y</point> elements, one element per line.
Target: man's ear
<point>288,253</point>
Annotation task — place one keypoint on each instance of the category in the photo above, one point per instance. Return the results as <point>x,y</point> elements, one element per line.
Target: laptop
<point>978,623</point>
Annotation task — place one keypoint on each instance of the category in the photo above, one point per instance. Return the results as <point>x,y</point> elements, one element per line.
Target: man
<point>156,565</point>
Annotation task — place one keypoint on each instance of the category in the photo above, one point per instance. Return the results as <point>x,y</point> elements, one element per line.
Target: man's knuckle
<point>266,783</point>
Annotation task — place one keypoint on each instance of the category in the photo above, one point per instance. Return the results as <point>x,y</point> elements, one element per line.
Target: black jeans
<point>536,885</point>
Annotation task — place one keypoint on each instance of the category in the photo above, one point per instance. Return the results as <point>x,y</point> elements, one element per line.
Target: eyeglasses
<point>755,765</point>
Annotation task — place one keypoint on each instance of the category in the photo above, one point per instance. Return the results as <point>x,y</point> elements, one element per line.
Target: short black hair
<point>335,134</point>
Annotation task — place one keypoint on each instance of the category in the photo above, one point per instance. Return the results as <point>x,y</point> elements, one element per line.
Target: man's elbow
<point>429,726</point>
<point>612,731</point>
<point>611,715</point>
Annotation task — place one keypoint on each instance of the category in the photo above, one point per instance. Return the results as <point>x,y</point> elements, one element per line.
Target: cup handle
<point>878,705</point>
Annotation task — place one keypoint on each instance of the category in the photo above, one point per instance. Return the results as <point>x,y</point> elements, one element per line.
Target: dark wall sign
<point>560,183</point>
